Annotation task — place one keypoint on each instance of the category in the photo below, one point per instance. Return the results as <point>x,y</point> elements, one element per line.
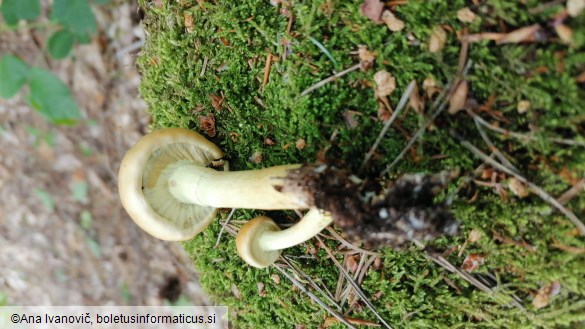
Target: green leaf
<point>75,15</point>
<point>13,74</point>
<point>51,97</point>
<point>61,43</point>
<point>15,10</point>
<point>45,198</point>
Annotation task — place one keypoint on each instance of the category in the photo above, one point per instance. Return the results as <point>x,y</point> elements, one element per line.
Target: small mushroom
<point>168,189</point>
<point>260,240</point>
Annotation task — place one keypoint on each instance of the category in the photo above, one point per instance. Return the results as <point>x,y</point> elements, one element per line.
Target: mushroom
<point>260,240</point>
<point>168,189</point>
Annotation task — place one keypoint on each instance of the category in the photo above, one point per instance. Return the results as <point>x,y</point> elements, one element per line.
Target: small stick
<point>331,78</point>
<point>401,105</point>
<point>539,191</point>
<point>440,103</point>
<point>572,192</point>
<point>353,284</point>
<point>493,148</point>
<point>227,220</point>
<point>518,135</point>
<point>315,298</point>
<point>267,69</point>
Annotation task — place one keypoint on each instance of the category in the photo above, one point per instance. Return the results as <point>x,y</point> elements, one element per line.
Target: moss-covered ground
<point>206,57</point>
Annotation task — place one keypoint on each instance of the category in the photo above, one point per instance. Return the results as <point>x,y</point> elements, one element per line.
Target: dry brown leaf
<point>300,144</point>
<point>275,278</point>
<point>350,120</point>
<point>575,7</point>
<point>261,291</point>
<point>430,87</point>
<point>392,22</point>
<point>465,15</point>
<point>207,124</point>
<point>217,102</point>
<point>383,113</point>
<point>366,57</point>
<point>517,187</point>
<point>523,106</point>
<point>580,78</point>
<point>483,36</point>
<point>236,291</point>
<point>457,101</point>
<point>268,141</point>
<point>565,33</point>
<point>524,34</point>
<point>188,17</point>
<point>330,321</point>
<point>385,83</point>
<point>256,157</point>
<point>372,9</point>
<point>472,262</point>
<point>544,294</point>
<point>438,39</point>
<point>415,100</point>
<point>474,235</point>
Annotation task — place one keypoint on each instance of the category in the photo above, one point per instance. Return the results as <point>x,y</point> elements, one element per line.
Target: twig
<point>315,298</point>
<point>493,148</point>
<point>521,136</point>
<point>331,78</point>
<point>440,103</point>
<point>225,223</point>
<point>401,105</point>
<point>267,70</point>
<point>325,294</point>
<point>572,192</point>
<point>353,284</point>
<point>467,277</point>
<point>539,191</point>
<point>349,245</point>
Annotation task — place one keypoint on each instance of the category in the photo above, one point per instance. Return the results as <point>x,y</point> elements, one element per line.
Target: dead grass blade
<point>331,78</point>
<point>539,191</point>
<point>401,105</point>
<point>358,290</point>
<point>304,275</point>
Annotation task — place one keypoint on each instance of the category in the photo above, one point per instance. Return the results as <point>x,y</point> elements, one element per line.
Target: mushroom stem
<point>311,224</point>
<point>250,189</point>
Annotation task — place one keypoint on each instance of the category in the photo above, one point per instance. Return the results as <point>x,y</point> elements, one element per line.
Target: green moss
<point>224,53</point>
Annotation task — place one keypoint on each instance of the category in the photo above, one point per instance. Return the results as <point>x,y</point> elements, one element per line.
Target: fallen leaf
<point>261,291</point>
<point>575,7</point>
<point>465,15</point>
<point>430,87</point>
<point>472,262</point>
<point>565,33</point>
<point>217,102</point>
<point>383,113</point>
<point>366,57</point>
<point>188,17</point>
<point>208,124</point>
<point>544,294</point>
<point>523,106</point>
<point>457,101</point>
<point>350,120</point>
<point>580,78</point>
<point>517,187</point>
<point>275,278</point>
<point>385,83</point>
<point>415,101</point>
<point>438,39</point>
<point>524,34</point>
<point>236,291</point>
<point>392,22</point>
<point>474,235</point>
<point>256,157</point>
<point>351,263</point>
<point>372,9</point>
<point>268,141</point>
<point>300,144</point>
<point>330,321</point>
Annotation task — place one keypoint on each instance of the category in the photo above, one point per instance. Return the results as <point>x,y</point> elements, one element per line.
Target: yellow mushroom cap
<point>248,242</point>
<point>143,186</point>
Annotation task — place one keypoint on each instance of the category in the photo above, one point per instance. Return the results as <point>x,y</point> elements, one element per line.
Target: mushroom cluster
<point>169,189</point>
